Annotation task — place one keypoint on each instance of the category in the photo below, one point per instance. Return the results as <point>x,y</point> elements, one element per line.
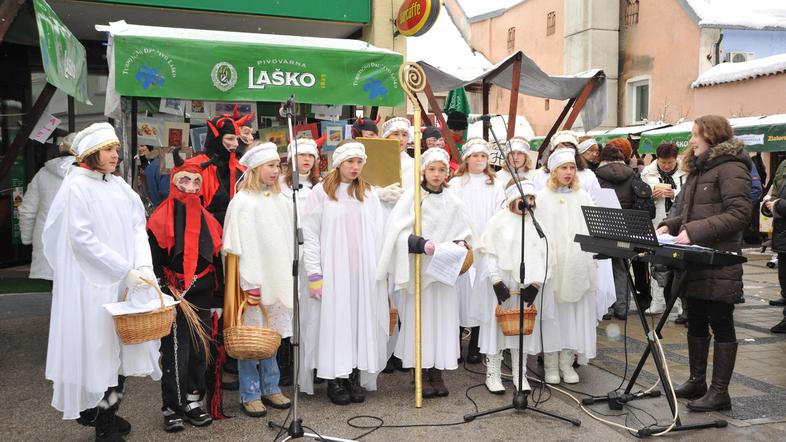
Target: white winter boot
<point>514,365</point>
<point>658,304</point>
<point>569,375</point>
<point>493,375</point>
<point>551,367</point>
<point>677,307</point>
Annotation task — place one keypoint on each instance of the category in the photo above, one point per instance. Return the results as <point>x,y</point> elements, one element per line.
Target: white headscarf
<point>347,151</point>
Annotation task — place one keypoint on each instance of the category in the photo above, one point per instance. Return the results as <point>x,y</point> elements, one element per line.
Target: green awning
<point>149,61</point>
<point>678,134</point>
<point>63,56</point>
<point>767,134</point>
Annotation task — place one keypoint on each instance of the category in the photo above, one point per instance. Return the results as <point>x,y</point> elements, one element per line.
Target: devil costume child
<point>185,242</point>
<point>220,177</point>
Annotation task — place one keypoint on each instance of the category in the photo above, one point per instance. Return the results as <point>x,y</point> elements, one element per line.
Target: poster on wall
<point>200,109</point>
<point>228,108</point>
<point>173,107</point>
<point>277,136</point>
<point>307,131</point>
<point>198,136</point>
<point>176,134</point>
<point>148,131</point>
<point>334,133</point>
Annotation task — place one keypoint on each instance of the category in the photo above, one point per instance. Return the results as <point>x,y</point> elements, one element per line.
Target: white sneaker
<point>493,375</point>
<point>551,367</point>
<point>655,308</point>
<point>566,371</point>
<point>677,307</point>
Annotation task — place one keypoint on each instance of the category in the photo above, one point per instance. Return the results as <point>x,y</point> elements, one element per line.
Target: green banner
<point>63,56</point>
<point>650,142</point>
<point>763,137</point>
<point>243,71</point>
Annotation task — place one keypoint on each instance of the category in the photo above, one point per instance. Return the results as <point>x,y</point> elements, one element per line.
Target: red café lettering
<point>411,16</point>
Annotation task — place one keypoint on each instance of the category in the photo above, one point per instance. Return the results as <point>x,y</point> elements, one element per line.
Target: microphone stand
<point>520,402</point>
<point>295,428</point>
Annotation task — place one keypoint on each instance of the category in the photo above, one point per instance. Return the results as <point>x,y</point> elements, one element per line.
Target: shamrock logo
<point>374,88</point>
<point>147,77</point>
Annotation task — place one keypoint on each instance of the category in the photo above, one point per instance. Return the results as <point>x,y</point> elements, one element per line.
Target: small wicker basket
<point>136,328</point>
<point>468,260</point>
<point>508,320</point>
<point>246,342</point>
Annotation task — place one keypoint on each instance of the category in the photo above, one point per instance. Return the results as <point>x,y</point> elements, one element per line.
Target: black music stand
<point>631,227</point>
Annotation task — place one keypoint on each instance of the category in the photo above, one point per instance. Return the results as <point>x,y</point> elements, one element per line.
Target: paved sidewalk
<point>758,390</point>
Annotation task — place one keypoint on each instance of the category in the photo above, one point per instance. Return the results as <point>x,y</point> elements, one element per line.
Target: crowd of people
<point>234,204</point>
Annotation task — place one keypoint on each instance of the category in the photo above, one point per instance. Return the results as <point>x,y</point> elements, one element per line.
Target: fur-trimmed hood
<point>730,150</point>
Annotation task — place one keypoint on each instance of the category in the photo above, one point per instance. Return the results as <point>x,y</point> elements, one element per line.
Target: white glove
<point>390,194</point>
<point>148,274</point>
<point>134,279</point>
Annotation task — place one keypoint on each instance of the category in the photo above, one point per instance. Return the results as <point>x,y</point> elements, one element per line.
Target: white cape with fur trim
<point>444,219</point>
<point>94,235</point>
<point>501,244</point>
<point>575,273</point>
<point>258,229</point>
<point>343,241</point>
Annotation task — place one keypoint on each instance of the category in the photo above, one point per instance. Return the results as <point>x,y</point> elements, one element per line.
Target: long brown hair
<point>357,188</point>
<point>313,174</point>
<point>714,129</point>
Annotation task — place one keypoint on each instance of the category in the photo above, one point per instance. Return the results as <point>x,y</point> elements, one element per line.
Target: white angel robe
<point>576,272</point>
<point>343,241</point>
<point>258,229</point>
<point>309,307</point>
<point>501,245</point>
<point>482,201</point>
<point>443,219</point>
<point>606,294</point>
<point>94,235</point>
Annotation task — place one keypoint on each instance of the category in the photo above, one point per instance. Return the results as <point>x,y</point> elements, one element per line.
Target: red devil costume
<point>225,169</point>
<point>185,241</point>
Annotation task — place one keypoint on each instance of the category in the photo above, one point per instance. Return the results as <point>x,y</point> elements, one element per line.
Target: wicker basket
<point>508,320</point>
<point>468,260</point>
<point>249,342</point>
<point>136,328</point>
<point>393,320</point>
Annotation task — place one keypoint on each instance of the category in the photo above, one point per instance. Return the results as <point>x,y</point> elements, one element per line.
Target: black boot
<point>89,417</point>
<point>284,358</point>
<point>696,385</point>
<point>437,383</point>
<point>337,392</point>
<point>106,426</point>
<point>717,397</point>
<point>427,390</point>
<point>357,394</point>
<point>473,351</point>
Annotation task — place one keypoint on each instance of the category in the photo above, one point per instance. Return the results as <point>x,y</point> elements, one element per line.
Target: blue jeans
<point>250,372</point>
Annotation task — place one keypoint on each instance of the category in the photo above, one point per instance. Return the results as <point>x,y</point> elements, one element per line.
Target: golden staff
<point>413,80</point>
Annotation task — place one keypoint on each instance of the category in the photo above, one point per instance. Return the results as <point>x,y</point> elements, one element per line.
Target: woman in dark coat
<point>776,208</point>
<point>715,212</point>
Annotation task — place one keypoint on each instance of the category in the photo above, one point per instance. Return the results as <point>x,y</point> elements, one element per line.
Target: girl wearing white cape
<point>444,219</point>
<point>258,229</point>
<point>482,194</point>
<point>575,274</point>
<point>95,241</point>
<point>343,224</point>
<point>307,161</point>
<point>606,292</point>
<point>501,245</point>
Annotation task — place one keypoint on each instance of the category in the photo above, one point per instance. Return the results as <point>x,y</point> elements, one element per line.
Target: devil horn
<point>177,158</point>
<point>321,140</point>
<point>376,122</point>
<point>212,129</point>
<point>235,113</point>
<point>208,163</point>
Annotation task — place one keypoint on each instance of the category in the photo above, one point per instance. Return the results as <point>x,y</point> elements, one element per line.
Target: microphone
<point>286,108</point>
<point>481,117</point>
<point>535,222</point>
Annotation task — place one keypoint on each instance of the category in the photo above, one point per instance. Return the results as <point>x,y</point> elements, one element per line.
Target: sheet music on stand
<point>620,224</point>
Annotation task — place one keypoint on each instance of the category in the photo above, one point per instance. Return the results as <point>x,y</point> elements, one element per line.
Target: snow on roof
<point>121,28</point>
<point>729,72</point>
<point>477,10</point>
<point>444,48</point>
<point>749,14</point>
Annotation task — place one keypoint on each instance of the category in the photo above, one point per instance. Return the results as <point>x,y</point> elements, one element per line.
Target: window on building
<point>511,39</point>
<point>631,12</point>
<point>551,23</point>
<point>638,92</point>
